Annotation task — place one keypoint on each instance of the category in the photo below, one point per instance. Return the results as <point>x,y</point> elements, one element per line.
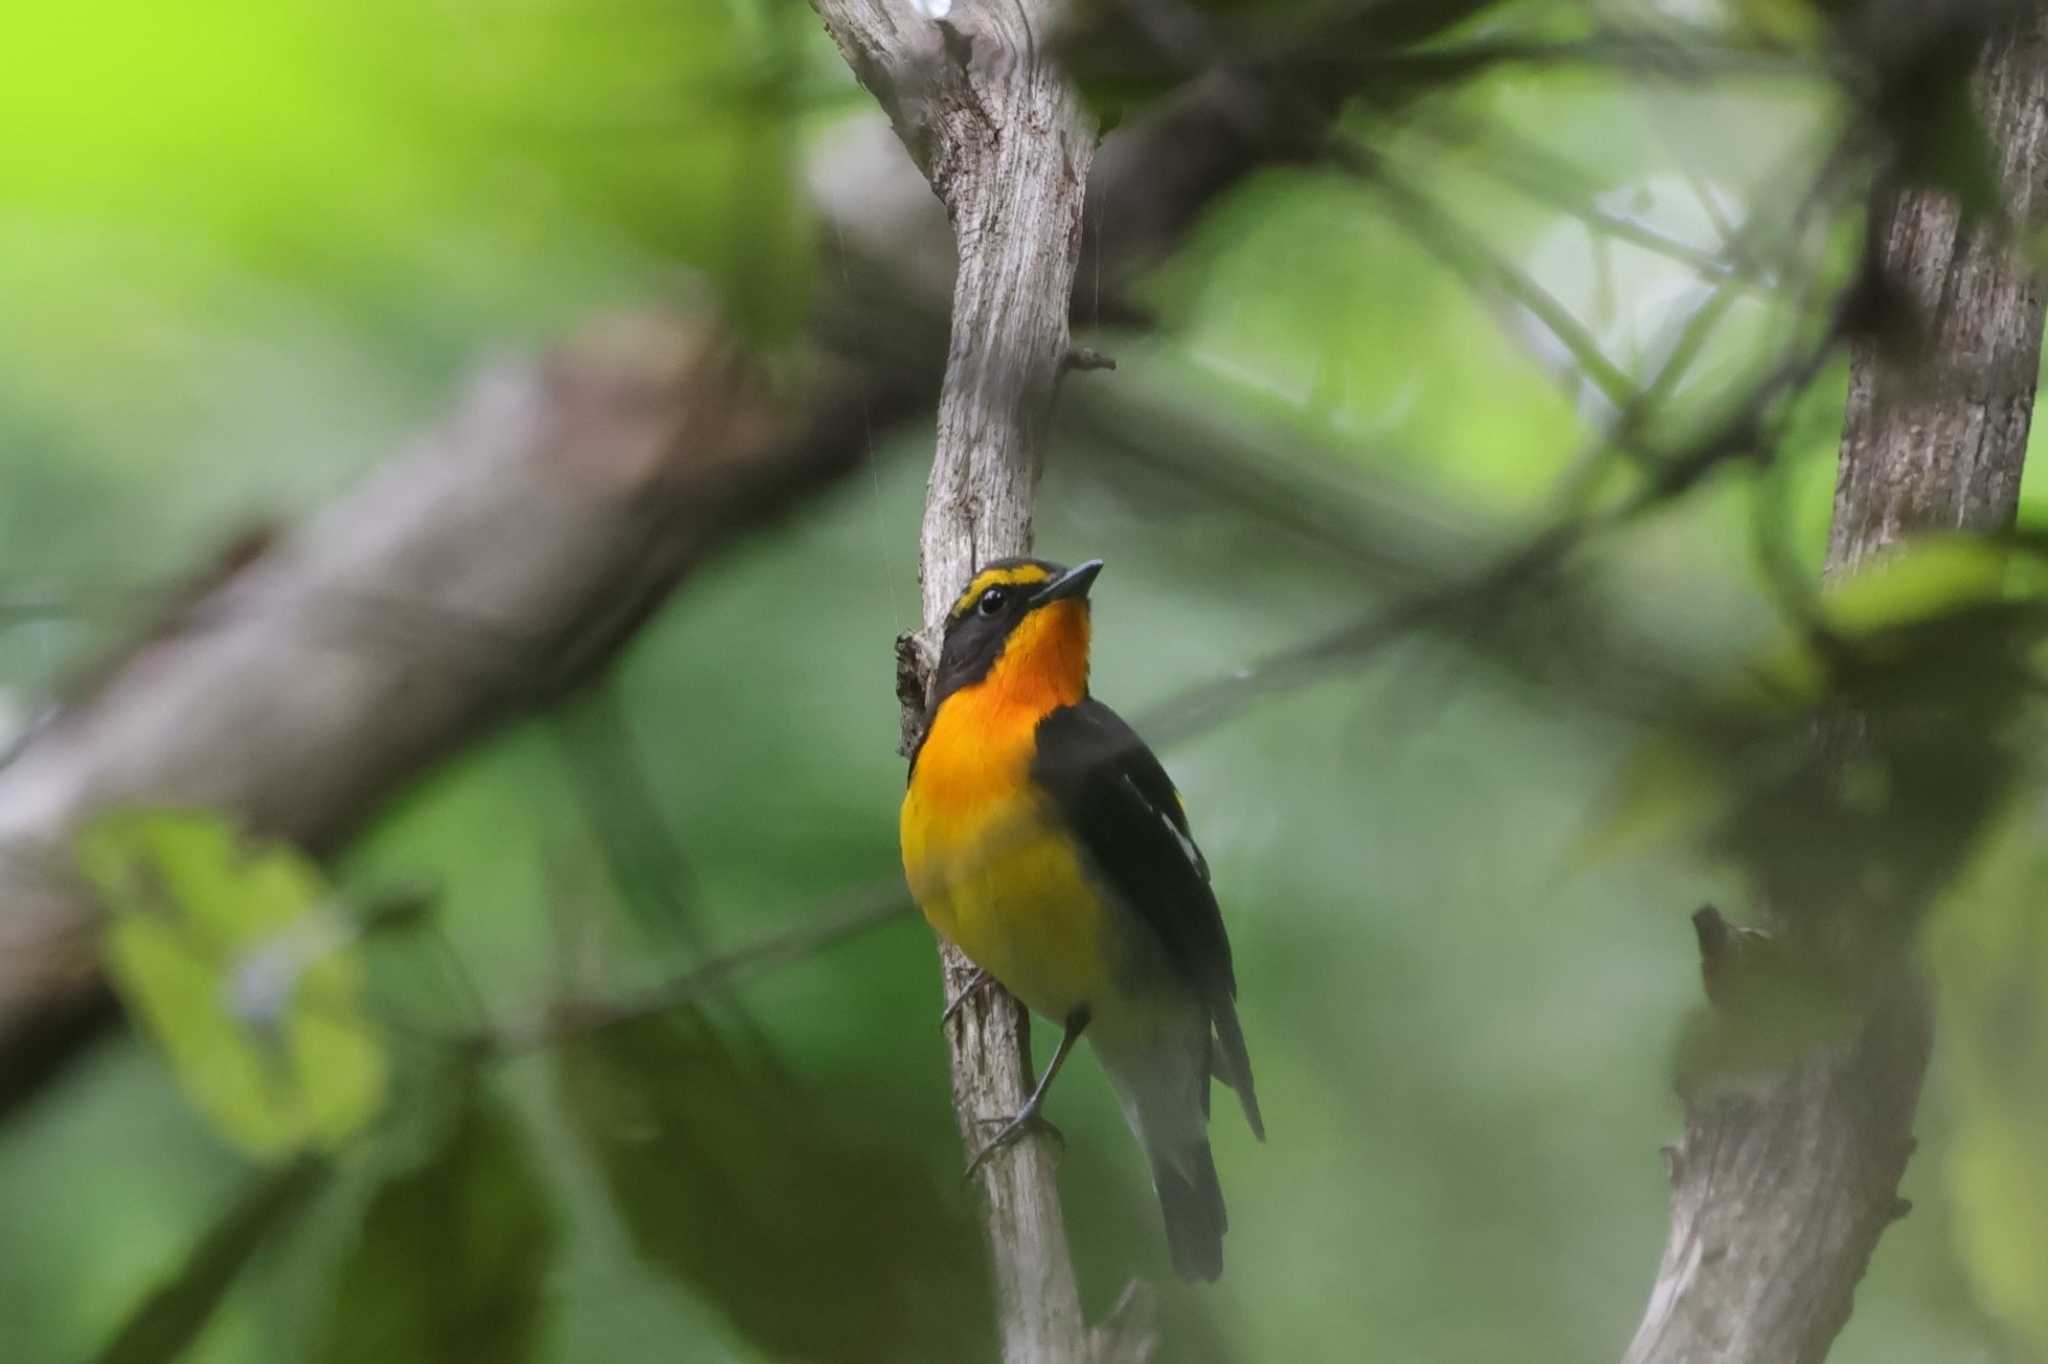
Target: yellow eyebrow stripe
<point>1015,576</point>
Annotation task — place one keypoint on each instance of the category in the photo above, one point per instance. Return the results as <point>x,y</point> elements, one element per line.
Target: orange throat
<point>982,737</point>
<point>1044,663</point>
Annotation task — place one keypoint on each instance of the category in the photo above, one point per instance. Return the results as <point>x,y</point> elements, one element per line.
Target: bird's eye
<point>992,601</point>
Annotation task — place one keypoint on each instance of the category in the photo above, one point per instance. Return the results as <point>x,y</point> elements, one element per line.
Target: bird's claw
<point>979,980</point>
<point>1030,1120</point>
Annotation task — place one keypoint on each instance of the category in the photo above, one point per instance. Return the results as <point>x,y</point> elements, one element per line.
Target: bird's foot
<point>977,981</point>
<point>1014,1129</point>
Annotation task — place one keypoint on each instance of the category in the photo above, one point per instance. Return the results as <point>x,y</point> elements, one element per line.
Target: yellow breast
<point>992,871</point>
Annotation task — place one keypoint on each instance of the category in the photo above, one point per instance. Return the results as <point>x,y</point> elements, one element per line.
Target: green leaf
<point>453,1254</point>
<point>726,1178</point>
<point>238,961</point>
<point>171,1317</point>
<point>1918,582</point>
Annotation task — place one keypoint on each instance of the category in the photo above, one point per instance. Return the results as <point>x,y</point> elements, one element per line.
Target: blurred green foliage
<point>245,970</point>
<point>166,1322</point>
<point>689,1138</point>
<point>248,250</point>
<point>454,1253</point>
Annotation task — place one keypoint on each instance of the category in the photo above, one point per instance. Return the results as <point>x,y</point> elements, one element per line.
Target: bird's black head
<point>1026,614</point>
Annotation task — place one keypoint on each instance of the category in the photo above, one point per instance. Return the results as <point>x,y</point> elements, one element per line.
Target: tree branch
<point>1002,137</point>
<point>502,563</point>
<point>1785,1181</point>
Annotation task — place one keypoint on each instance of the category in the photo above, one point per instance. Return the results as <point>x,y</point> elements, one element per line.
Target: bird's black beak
<point>1075,582</point>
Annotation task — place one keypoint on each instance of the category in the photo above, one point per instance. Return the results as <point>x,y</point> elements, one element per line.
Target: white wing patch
<point>1187,845</point>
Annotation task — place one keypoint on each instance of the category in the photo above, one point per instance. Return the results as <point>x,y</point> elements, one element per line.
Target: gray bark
<point>501,563</point>
<point>1937,431</point>
<point>1782,1187</point>
<point>1001,135</point>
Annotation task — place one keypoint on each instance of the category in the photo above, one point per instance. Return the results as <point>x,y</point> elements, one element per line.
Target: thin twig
<point>1462,249</point>
<point>567,1020</point>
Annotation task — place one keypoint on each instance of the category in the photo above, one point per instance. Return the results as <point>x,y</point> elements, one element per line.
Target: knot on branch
<point>915,662</point>
<point>1769,1007</point>
<point>1728,952</point>
<point>958,42</point>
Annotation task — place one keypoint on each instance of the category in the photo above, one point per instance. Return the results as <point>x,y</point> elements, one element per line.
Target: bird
<point>1042,838</point>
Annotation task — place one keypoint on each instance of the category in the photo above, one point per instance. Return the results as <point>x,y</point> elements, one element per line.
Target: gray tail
<point>1192,1202</point>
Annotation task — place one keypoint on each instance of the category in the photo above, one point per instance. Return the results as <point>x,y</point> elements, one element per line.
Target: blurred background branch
<point>491,571</point>
<point>1785,1180</point>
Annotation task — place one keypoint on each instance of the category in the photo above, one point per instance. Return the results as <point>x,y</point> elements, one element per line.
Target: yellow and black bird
<point>1042,838</point>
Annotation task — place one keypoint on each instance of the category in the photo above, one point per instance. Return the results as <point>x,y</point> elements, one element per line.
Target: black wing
<point>1122,808</point>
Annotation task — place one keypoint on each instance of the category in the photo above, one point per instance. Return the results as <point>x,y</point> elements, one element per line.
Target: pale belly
<point>1014,897</point>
